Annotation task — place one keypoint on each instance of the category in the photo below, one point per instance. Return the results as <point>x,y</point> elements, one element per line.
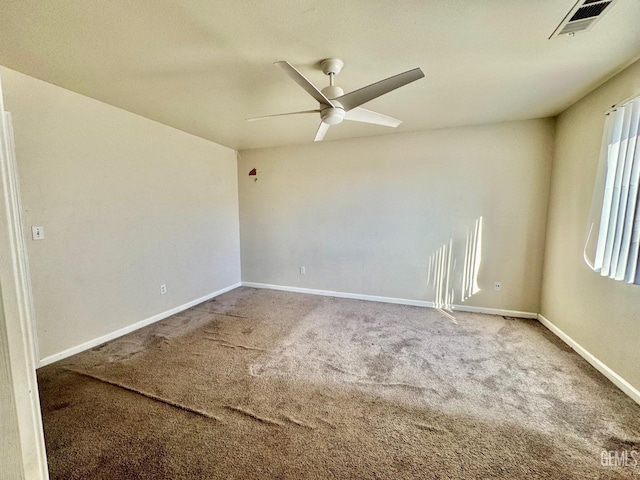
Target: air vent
<point>582,17</point>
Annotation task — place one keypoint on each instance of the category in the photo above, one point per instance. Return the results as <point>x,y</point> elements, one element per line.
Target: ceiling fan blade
<point>322,131</point>
<point>363,95</point>
<point>359,114</point>
<point>253,119</point>
<point>301,80</point>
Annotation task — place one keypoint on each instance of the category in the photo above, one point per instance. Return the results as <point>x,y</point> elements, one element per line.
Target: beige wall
<point>126,203</point>
<point>10,451</point>
<point>600,314</point>
<point>364,215</point>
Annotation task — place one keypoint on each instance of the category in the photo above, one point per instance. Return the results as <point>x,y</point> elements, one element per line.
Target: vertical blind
<point>617,243</point>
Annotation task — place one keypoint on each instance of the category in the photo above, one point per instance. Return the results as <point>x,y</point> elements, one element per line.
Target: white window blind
<point>615,224</point>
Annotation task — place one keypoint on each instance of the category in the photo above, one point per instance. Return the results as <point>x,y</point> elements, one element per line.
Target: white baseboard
<point>130,328</point>
<point>495,311</point>
<point>400,301</point>
<point>330,293</point>
<point>616,379</point>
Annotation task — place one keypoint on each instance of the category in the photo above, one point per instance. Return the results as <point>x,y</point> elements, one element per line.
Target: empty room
<point>324,240</point>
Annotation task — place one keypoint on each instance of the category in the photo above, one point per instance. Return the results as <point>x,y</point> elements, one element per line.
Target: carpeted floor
<point>259,384</point>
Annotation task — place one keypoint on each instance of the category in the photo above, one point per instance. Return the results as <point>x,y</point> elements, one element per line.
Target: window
<point>613,241</point>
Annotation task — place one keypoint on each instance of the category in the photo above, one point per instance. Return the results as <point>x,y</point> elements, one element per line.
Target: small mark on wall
<point>254,173</point>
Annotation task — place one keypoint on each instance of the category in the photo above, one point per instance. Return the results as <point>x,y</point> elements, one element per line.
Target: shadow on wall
<point>453,272</point>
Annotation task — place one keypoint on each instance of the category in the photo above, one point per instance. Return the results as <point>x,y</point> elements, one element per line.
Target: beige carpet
<point>264,384</point>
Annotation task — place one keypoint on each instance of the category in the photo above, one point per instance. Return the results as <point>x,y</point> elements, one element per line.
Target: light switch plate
<point>37,233</point>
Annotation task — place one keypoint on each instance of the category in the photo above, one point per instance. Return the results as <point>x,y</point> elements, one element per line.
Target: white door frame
<point>19,362</point>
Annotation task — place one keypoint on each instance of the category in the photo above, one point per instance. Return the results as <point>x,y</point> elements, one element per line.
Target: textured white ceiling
<point>205,66</point>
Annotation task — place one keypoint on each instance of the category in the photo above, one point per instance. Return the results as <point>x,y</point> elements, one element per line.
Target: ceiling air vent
<point>582,16</point>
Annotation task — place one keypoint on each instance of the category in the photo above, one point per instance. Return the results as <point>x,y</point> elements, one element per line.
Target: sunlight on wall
<point>472,259</point>
<point>446,274</point>
<point>440,275</point>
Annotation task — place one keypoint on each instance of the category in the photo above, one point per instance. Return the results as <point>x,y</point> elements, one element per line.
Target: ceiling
<point>205,66</point>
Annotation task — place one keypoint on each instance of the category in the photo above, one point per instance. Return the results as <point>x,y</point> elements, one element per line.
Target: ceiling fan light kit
<point>336,106</point>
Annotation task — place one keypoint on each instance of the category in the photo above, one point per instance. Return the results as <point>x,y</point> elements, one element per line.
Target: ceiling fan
<point>336,106</point>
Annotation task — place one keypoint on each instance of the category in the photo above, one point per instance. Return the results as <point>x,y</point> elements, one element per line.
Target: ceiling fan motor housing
<point>332,92</point>
<point>332,115</point>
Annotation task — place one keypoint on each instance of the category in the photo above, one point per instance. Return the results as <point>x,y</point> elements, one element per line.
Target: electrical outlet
<point>497,286</point>
<point>302,271</point>
<point>163,289</point>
